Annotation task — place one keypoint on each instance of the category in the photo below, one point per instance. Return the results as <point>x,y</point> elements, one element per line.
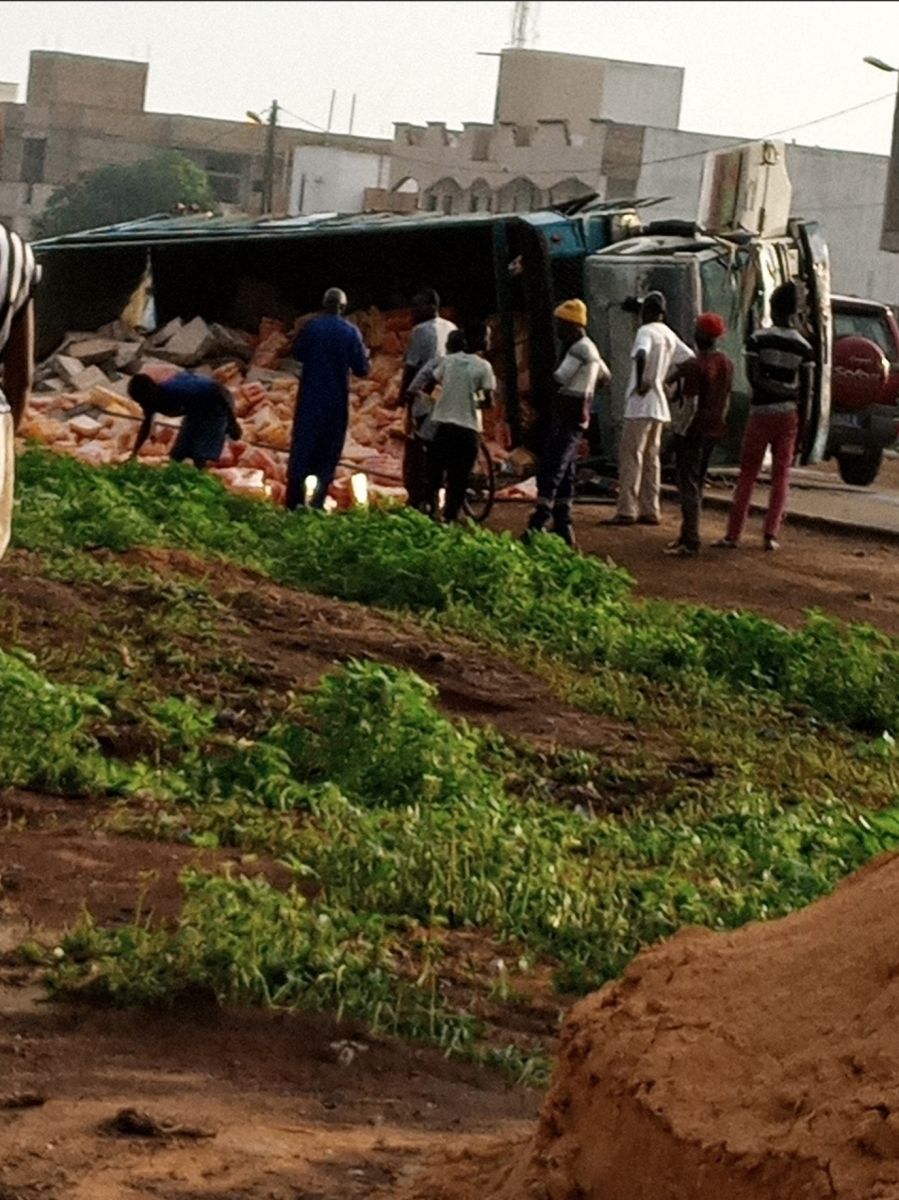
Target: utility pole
<point>268,176</point>
<point>268,162</point>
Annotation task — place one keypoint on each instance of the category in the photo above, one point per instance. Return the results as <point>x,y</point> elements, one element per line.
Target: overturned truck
<point>509,270</point>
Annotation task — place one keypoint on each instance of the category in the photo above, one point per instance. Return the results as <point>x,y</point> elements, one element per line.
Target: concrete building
<point>338,179</point>
<point>513,168</point>
<point>567,125</point>
<point>564,125</point>
<point>82,112</point>
<point>536,84</point>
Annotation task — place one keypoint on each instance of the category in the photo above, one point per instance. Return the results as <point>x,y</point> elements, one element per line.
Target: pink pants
<point>779,431</point>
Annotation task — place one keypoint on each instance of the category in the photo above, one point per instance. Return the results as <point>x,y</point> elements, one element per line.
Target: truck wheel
<point>860,470</point>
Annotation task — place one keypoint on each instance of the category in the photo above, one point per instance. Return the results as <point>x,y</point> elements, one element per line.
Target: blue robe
<point>329,348</point>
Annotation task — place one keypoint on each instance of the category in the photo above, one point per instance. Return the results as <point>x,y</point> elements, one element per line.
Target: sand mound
<point>758,1065</point>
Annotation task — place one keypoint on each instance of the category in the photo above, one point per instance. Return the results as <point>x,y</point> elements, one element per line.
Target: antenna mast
<point>524,24</point>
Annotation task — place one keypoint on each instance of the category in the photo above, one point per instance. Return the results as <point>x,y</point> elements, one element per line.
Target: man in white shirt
<point>656,350</point>
<point>427,342</point>
<point>467,385</point>
<point>578,375</point>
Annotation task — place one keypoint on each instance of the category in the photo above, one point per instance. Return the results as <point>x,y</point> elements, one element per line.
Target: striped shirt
<point>779,354</point>
<point>18,276</point>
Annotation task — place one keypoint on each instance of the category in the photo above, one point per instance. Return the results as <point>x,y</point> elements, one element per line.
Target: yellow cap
<point>574,311</point>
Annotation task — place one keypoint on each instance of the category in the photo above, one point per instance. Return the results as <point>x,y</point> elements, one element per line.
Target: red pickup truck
<point>864,408</point>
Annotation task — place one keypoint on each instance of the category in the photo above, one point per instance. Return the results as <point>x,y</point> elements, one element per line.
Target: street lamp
<point>880,64</point>
<point>889,230</point>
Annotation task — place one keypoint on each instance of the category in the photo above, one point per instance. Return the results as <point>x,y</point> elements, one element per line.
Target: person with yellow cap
<point>577,377</point>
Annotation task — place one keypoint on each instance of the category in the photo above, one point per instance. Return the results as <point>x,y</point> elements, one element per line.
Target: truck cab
<point>743,245</point>
<point>733,275</point>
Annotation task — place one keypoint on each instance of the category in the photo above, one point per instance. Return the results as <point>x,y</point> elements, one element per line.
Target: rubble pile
<point>80,403</point>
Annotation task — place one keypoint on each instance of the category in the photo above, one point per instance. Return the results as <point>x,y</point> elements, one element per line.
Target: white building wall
<point>672,167</point>
<point>331,179</point>
<point>845,192</point>
<point>641,94</point>
<point>841,190</point>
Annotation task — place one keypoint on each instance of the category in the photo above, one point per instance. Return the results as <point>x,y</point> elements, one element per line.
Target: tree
<point>124,193</point>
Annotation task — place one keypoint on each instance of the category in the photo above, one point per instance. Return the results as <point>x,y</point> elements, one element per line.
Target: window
<point>225,188</point>
<point>866,325</point>
<point>34,154</point>
<point>226,173</point>
<point>480,197</point>
<point>480,150</point>
<point>224,164</point>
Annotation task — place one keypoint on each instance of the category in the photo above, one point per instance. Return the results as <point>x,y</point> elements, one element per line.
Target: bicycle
<point>481,491</point>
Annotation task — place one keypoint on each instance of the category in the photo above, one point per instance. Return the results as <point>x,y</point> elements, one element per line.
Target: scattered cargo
<point>96,422</point>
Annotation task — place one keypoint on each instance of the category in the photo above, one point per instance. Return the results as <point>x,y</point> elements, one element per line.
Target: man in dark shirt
<point>205,406</point>
<point>780,365</point>
<point>706,380</point>
<point>328,349</point>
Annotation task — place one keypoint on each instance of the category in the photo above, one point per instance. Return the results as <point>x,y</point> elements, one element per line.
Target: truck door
<point>815,270</point>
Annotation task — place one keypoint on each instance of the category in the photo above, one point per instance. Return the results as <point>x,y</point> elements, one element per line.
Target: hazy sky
<point>751,68</point>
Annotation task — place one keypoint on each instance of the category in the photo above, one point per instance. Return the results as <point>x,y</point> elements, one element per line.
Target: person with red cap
<point>705,382</point>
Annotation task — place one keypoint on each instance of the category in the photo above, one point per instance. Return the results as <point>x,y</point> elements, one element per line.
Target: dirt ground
<point>289,1121</point>
<point>854,578</point>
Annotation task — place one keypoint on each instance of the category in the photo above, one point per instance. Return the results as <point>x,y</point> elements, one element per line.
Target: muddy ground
<point>853,577</point>
<point>285,1119</point>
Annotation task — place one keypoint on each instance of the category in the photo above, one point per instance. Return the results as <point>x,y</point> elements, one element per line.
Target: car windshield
<point>872,326</point>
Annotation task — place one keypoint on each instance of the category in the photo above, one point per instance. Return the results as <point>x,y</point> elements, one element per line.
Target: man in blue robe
<point>328,349</point>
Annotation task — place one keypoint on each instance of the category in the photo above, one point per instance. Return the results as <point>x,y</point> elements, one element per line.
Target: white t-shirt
<point>579,373</point>
<point>463,378</point>
<point>428,341</point>
<point>664,350</point>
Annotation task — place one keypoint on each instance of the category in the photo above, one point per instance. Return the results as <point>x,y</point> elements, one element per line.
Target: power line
<point>297,117</point>
<point>777,132</point>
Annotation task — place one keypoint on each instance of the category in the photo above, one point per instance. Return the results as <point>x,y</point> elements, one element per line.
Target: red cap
<point>711,325</point>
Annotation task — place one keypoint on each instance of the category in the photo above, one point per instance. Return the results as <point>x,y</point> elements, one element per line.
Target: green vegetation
<point>117,192</point>
<point>569,607</point>
<point>46,743</point>
<point>751,787</point>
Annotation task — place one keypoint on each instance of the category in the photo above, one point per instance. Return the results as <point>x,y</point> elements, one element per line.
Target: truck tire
<point>860,470</point>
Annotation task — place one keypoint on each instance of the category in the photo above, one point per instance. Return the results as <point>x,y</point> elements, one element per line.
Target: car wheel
<point>860,470</point>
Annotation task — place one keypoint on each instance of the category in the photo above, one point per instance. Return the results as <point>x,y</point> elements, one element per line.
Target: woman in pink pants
<point>780,365</point>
